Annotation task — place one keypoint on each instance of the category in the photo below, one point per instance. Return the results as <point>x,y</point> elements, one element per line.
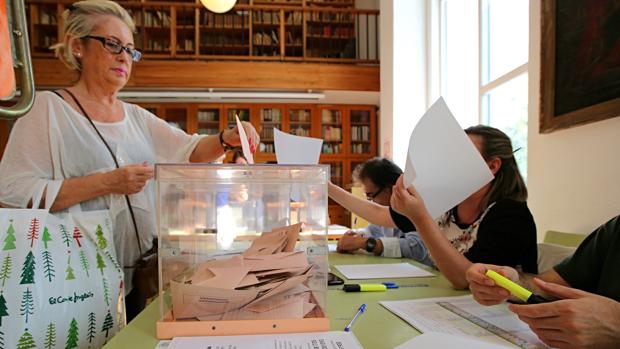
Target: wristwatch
<point>371,243</point>
<point>226,146</point>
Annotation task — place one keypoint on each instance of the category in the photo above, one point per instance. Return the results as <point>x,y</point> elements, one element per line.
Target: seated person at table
<point>588,316</point>
<point>493,225</point>
<point>377,177</point>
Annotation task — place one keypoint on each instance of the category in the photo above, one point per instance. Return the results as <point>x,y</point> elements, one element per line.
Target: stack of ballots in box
<point>267,281</point>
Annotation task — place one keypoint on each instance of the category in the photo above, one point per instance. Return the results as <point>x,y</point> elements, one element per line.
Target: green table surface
<point>376,328</point>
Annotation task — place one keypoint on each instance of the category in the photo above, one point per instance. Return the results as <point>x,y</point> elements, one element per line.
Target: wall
<point>404,44</point>
<point>573,174</point>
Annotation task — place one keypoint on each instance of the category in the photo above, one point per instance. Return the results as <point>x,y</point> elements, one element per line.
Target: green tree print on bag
<point>69,270</point>
<point>28,270</point>
<point>3,308</point>
<point>46,237</point>
<point>26,341</point>
<point>48,265</point>
<point>9,241</point>
<point>27,306</point>
<point>72,337</point>
<point>65,235</point>
<point>50,336</point>
<point>101,241</point>
<point>5,271</point>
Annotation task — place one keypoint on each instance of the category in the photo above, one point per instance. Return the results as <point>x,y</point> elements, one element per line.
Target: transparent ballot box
<point>242,249</point>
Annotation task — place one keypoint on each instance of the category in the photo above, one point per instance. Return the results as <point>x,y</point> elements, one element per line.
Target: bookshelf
<point>44,27</point>
<point>282,30</point>
<point>270,117</point>
<point>299,119</point>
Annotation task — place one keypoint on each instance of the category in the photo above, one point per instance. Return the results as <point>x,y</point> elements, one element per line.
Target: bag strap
<point>133,217</point>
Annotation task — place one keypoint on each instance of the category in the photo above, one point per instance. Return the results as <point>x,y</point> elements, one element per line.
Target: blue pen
<point>359,312</point>
<point>390,284</point>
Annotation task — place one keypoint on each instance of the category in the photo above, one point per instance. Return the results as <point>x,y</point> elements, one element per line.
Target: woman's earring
<point>78,55</point>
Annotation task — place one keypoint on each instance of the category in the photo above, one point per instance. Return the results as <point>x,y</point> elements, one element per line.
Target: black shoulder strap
<point>57,94</point>
<point>133,217</point>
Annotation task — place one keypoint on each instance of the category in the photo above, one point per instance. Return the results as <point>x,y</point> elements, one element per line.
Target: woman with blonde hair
<point>99,149</point>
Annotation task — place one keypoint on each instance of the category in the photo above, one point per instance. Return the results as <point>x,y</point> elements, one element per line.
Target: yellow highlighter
<point>516,290</point>
<point>364,287</point>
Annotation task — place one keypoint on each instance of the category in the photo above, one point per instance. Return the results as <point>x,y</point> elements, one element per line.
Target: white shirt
<point>54,142</point>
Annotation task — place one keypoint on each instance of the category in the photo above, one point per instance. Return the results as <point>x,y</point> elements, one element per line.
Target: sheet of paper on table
<point>382,271</point>
<point>427,315</point>
<point>335,339</point>
<point>434,340</point>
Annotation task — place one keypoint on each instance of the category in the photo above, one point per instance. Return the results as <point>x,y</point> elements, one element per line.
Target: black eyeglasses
<point>115,47</point>
<point>372,196</point>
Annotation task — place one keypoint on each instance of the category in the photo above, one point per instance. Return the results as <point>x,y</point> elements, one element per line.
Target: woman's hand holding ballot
<point>408,202</point>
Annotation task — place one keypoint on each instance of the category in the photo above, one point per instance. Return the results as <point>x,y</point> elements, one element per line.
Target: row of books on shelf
<point>266,133</point>
<point>331,116</point>
<point>360,133</point>
<point>212,20</point>
<point>329,148</point>
<point>299,115</point>
<point>329,31</point>
<point>332,133</point>
<point>335,170</point>
<point>268,148</point>
<point>208,115</point>
<point>47,17</point>
<point>262,38</point>
<point>185,45</point>
<point>208,131</point>
<point>300,131</point>
<point>266,17</point>
<point>226,39</point>
<point>293,39</point>
<point>156,18</point>
<point>295,17</point>
<point>157,45</point>
<point>271,115</point>
<point>331,17</point>
<point>360,148</point>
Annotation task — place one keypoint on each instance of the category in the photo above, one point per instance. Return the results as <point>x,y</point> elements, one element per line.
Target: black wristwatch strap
<point>371,243</point>
<point>226,146</point>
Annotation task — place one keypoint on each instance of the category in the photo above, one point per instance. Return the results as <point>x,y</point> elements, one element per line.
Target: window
<point>483,55</point>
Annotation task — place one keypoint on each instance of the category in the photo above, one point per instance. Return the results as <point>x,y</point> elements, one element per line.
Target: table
<point>376,328</point>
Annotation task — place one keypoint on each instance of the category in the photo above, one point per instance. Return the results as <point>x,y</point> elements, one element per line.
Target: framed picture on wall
<point>580,62</point>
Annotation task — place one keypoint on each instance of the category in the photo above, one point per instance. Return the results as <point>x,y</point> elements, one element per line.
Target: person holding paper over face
<point>492,224</point>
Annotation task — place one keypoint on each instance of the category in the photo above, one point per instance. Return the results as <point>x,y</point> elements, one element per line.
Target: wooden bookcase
<point>282,30</point>
<point>349,129</point>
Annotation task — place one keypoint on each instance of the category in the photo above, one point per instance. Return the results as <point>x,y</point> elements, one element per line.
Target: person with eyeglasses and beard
<point>377,176</point>
<point>98,147</point>
<point>493,225</point>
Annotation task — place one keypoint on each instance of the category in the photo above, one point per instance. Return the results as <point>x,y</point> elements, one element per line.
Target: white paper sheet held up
<point>428,316</point>
<point>296,150</point>
<point>434,340</point>
<point>245,145</point>
<point>442,162</point>
<point>341,340</point>
<point>381,271</point>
